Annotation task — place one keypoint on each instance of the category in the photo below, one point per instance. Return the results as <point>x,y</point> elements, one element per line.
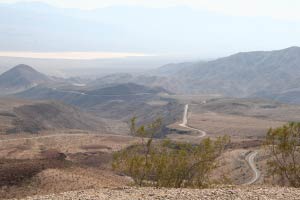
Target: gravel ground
<point>184,194</point>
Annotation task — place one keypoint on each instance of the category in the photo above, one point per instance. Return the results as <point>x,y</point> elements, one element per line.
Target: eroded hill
<point>19,116</point>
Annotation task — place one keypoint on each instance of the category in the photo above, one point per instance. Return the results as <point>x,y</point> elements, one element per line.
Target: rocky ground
<point>242,193</point>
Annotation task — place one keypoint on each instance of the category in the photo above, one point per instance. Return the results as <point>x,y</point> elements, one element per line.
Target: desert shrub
<point>14,172</point>
<point>283,145</point>
<point>164,163</point>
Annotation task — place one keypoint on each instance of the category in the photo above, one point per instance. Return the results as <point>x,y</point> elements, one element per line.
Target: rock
<point>264,193</point>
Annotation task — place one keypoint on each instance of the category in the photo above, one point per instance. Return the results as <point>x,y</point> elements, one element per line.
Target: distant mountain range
<point>265,74</point>
<point>272,75</point>
<point>108,99</point>
<point>111,100</point>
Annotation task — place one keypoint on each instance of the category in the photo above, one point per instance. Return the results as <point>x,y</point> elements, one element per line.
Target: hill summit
<point>21,77</point>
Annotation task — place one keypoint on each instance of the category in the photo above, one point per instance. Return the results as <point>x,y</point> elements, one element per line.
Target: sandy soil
<point>235,126</point>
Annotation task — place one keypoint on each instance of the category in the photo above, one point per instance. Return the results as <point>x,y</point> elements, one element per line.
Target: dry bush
<point>14,172</point>
<point>283,144</point>
<point>168,164</point>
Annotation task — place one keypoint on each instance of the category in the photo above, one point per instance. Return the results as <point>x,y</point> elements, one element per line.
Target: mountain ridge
<point>246,74</point>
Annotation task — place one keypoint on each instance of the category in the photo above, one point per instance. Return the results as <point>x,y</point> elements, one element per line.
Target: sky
<point>279,9</point>
<point>200,29</point>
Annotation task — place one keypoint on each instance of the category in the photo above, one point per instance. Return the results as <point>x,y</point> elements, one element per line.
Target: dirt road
<point>256,173</point>
<point>185,122</point>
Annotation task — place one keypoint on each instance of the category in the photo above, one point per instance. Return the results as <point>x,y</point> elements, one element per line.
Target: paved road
<point>256,173</point>
<point>185,122</point>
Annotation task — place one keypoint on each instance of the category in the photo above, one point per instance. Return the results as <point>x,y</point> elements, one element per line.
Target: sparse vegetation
<point>166,163</point>
<point>14,172</point>
<point>283,144</point>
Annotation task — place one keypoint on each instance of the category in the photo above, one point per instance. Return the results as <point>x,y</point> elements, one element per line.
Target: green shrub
<point>169,164</point>
<point>283,144</point>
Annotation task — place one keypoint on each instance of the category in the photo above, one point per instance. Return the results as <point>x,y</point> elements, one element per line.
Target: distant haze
<point>90,67</point>
<point>71,55</point>
<point>199,29</point>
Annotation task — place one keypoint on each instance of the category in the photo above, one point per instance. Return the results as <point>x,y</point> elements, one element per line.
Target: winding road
<point>250,160</point>
<point>185,121</point>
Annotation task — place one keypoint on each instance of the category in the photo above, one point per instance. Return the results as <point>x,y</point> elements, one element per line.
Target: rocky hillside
<point>53,115</point>
<point>267,74</point>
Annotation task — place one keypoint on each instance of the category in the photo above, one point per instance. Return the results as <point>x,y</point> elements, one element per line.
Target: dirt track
<point>184,123</point>
<point>250,160</point>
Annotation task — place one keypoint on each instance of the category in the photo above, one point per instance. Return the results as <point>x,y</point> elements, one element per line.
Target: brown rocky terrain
<point>227,193</point>
<point>85,171</point>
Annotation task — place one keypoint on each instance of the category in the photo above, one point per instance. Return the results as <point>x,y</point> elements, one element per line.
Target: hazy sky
<point>280,9</point>
<point>71,55</point>
<point>202,29</point>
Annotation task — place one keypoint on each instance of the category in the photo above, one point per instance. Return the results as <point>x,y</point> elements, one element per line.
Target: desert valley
<point>59,135</point>
<point>169,99</point>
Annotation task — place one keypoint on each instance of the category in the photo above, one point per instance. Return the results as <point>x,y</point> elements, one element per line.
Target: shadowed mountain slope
<point>117,102</point>
<point>267,74</point>
<point>18,116</point>
<point>21,77</point>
